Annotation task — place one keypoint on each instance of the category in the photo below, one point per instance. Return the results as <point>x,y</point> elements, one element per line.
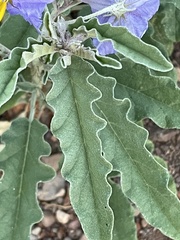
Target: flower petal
<point>30,10</point>
<point>2,9</point>
<point>135,19</point>
<point>104,47</point>
<point>98,5</point>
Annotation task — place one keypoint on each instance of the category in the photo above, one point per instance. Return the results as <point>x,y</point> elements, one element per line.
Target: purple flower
<point>30,10</point>
<point>132,14</point>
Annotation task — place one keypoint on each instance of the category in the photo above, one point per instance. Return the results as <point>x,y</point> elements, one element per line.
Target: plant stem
<point>32,105</point>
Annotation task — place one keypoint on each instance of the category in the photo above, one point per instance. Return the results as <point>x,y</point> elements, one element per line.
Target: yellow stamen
<point>3,5</point>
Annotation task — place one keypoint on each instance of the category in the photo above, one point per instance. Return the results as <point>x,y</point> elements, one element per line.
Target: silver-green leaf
<point>126,44</point>
<point>22,169</point>
<point>76,126</point>
<point>155,97</point>
<point>124,225</point>
<point>143,180</point>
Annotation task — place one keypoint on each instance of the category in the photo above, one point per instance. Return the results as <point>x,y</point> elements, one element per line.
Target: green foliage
<point>22,171</point>
<point>124,228</point>
<point>171,184</point>
<point>12,101</point>
<point>9,73</point>
<point>20,31</point>
<point>18,61</point>
<point>175,2</point>
<point>99,103</point>
<point>171,22</point>
<point>141,176</point>
<point>147,93</point>
<point>128,45</point>
<point>83,151</point>
<point>166,24</point>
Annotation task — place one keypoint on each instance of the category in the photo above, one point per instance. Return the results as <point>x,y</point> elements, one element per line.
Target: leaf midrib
<point>21,180</point>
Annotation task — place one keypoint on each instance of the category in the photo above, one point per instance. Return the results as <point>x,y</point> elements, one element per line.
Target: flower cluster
<point>132,14</point>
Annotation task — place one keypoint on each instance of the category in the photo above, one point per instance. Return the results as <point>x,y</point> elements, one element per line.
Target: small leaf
<point>143,180</point>
<point>19,59</point>
<point>124,226</point>
<point>22,171</point>
<point>89,54</point>
<point>126,44</point>
<point>104,61</point>
<point>37,51</point>
<point>9,73</point>
<point>26,86</point>
<point>76,126</point>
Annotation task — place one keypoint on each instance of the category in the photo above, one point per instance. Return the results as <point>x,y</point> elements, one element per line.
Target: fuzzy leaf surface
<point>19,59</point>
<point>76,126</point>
<point>175,2</point>
<point>124,226</point>
<point>22,169</point>
<point>171,22</point>
<point>155,97</point>
<point>15,31</point>
<point>126,44</point>
<point>143,180</point>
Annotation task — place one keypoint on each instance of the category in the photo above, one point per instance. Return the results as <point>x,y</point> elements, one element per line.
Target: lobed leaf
<point>155,97</point>
<point>19,59</point>
<point>76,126</point>
<point>104,61</point>
<point>22,171</point>
<point>143,180</point>
<point>37,51</point>
<point>126,44</point>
